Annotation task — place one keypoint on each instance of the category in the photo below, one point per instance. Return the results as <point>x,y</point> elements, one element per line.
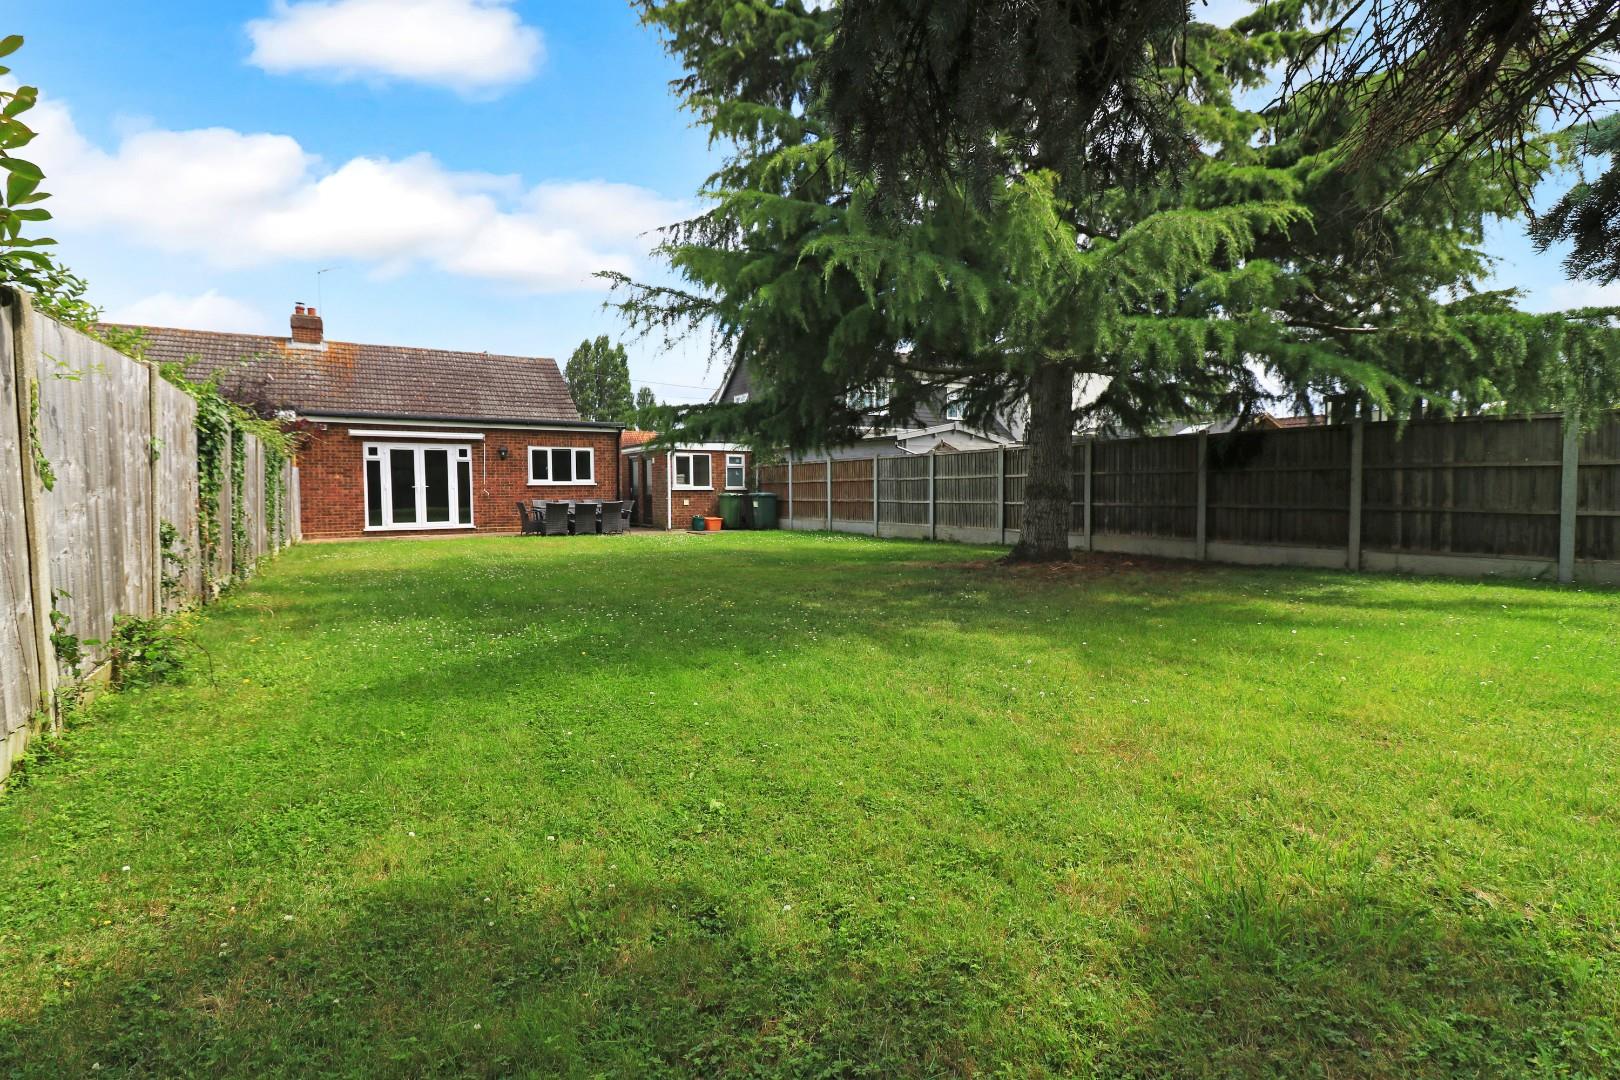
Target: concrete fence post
<point>1091,453</point>
<point>933,514</point>
<point>1001,493</point>
<point>1569,495</point>
<point>827,475</point>
<point>876,500</point>
<point>1358,485</point>
<point>1203,495</point>
<point>788,517</point>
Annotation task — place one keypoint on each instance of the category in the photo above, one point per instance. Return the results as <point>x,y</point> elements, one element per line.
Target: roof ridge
<point>329,341</point>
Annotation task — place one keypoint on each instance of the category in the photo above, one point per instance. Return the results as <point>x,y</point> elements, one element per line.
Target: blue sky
<point>462,165</point>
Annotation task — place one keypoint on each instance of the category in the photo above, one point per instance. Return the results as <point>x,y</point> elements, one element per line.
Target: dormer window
<point>869,399</point>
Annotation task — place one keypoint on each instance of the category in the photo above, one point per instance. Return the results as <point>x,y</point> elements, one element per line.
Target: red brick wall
<point>687,504</point>
<point>331,475</point>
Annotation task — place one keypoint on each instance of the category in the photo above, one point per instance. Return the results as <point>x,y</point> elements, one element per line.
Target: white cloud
<point>474,47</point>
<point>239,200</point>
<point>209,311</point>
<point>1563,295</point>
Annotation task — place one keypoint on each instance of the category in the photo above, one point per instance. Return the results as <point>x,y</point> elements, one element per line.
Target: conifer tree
<point>1250,274</point>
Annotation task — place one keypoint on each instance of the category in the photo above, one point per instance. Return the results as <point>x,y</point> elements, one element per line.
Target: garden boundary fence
<point>1535,496</point>
<point>100,508</point>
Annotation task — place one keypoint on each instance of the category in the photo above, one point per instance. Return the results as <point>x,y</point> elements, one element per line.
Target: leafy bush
<point>147,651</point>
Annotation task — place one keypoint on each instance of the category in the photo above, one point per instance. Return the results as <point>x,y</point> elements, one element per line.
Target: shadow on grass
<point>420,980</point>
<point>1240,980</point>
<point>433,980</point>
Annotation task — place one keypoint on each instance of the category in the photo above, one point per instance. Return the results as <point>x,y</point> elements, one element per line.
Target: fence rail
<point>99,507</point>
<point>1536,496</point>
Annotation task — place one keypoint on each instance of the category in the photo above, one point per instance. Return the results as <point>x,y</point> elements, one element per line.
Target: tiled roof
<point>628,439</point>
<point>343,378</point>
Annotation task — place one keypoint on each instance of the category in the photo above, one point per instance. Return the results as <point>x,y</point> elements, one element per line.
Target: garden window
<point>692,471</point>
<point>561,465</point>
<point>736,472</point>
<point>411,486</point>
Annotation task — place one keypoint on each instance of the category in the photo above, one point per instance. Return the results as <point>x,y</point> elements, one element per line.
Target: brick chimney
<point>306,326</point>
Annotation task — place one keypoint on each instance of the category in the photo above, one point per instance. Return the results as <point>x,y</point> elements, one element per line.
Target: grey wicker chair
<point>555,518</point>
<point>615,517</point>
<point>587,518</point>
<point>532,522</point>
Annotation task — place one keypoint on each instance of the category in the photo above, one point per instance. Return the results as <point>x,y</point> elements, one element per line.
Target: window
<point>410,486</point>
<point>739,399</point>
<point>869,398</point>
<point>736,472</point>
<point>692,471</point>
<point>954,409</point>
<point>561,465</point>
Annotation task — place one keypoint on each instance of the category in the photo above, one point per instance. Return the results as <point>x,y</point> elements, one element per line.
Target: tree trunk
<point>1048,490</point>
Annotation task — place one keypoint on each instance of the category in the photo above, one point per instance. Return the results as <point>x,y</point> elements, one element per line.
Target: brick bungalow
<point>402,441</point>
<point>702,472</point>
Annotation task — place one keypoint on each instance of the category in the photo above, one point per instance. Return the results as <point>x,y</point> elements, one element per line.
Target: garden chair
<point>556,518</point>
<point>615,518</point>
<point>532,522</point>
<point>587,518</point>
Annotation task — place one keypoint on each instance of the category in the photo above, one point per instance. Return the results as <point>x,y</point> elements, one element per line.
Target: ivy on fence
<point>222,426</point>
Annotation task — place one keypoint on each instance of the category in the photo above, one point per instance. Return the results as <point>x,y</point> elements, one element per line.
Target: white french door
<point>413,486</point>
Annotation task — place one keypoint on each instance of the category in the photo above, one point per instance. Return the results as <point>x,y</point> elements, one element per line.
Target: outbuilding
<point>670,485</point>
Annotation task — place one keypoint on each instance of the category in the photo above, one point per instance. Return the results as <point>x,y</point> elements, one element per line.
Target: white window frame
<point>870,399</point>
<point>574,452</point>
<point>736,461</point>
<point>382,453</point>
<point>674,470</point>
<point>740,399</point>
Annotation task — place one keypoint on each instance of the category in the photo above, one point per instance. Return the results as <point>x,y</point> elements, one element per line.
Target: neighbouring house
<point>398,440</point>
<point>670,485</point>
<point>1262,421</point>
<point>937,426</point>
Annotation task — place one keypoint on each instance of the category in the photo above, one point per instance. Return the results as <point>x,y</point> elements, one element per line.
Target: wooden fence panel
<point>1597,528</point>
<point>224,561</point>
<point>852,490</point>
<point>176,495</point>
<point>295,521</point>
<point>1475,487</point>
<point>95,427</point>
<point>810,492</point>
<point>1017,476</point>
<point>284,535</point>
<point>903,490</point>
<point>1146,487</point>
<point>773,478</point>
<point>255,527</point>
<point>1280,487</point>
<point>119,447</point>
<point>20,690</point>
<point>965,489</point>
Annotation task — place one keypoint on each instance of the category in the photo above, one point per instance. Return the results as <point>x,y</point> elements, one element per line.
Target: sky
<point>459,169</point>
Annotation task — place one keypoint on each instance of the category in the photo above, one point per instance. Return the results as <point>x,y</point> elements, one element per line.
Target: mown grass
<point>819,806</point>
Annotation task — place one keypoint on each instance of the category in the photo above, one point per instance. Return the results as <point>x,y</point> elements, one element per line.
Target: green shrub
<point>147,651</point>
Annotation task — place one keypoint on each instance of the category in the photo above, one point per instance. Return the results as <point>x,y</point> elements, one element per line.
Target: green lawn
<point>822,806</point>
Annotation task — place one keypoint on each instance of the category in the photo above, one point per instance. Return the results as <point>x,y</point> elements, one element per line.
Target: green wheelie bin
<point>764,507</point>
<point>731,509</point>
